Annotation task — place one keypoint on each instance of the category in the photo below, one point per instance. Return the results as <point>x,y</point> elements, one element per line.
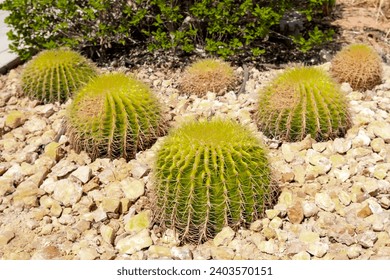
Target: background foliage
<point>223,27</point>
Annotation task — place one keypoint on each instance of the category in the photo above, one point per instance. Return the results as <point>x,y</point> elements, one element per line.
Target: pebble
<point>341,145</point>
<point>110,205</point>
<point>224,237</point>
<point>107,233</point>
<point>309,237</point>
<point>380,129</point>
<point>295,213</point>
<point>134,243</point>
<point>132,188</point>
<point>138,170</point>
<point>367,239</point>
<point>158,251</point>
<point>324,202</point>
<point>82,173</point>
<point>309,209</point>
<point>318,249</point>
<point>354,251</point>
<point>139,222</point>
<point>269,247</point>
<point>35,124</point>
<point>6,237</point>
<point>88,254</point>
<point>303,256</point>
<point>181,253</point>
<point>67,192</point>
<point>222,253</point>
<point>47,253</point>
<point>378,144</point>
<point>288,153</point>
<point>275,223</point>
<point>15,119</point>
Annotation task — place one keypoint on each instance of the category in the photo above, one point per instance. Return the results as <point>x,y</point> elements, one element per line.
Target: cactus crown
<point>207,75</point>
<point>302,101</point>
<point>115,116</point>
<point>359,65</point>
<point>210,175</point>
<point>54,75</point>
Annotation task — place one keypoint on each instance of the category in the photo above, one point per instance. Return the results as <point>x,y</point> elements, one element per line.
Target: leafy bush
<point>98,27</point>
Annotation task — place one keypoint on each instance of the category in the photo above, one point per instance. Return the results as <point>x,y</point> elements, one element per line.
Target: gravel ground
<point>56,204</point>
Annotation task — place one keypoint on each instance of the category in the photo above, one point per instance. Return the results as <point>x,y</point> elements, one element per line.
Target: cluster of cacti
<point>114,115</point>
<point>207,75</point>
<point>302,101</point>
<point>359,65</point>
<point>210,175</point>
<point>55,75</point>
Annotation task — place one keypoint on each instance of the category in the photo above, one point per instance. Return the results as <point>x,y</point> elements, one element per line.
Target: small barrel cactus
<point>114,115</point>
<point>359,65</point>
<point>207,75</point>
<point>302,101</point>
<point>55,75</point>
<point>210,175</point>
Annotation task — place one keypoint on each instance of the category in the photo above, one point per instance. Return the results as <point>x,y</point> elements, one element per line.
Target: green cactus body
<point>54,75</point>
<point>303,101</point>
<point>210,175</point>
<point>114,116</point>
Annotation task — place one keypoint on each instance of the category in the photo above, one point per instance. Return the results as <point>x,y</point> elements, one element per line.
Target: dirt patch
<point>365,21</point>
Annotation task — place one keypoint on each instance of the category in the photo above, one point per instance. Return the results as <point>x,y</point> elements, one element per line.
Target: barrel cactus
<point>54,75</point>
<point>210,175</point>
<point>207,75</point>
<point>302,101</point>
<point>359,65</point>
<point>114,115</point>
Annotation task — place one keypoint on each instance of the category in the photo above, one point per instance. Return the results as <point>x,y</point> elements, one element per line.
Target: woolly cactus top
<point>216,133</point>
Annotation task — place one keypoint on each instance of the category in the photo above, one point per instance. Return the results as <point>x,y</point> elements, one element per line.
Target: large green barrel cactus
<point>210,175</point>
<point>302,101</point>
<point>114,115</point>
<point>359,65</point>
<point>54,75</point>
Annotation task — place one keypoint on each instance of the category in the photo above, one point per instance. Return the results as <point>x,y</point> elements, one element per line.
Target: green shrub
<point>114,116</point>
<point>210,175</point>
<point>93,27</point>
<point>54,75</point>
<point>303,101</point>
<point>101,27</point>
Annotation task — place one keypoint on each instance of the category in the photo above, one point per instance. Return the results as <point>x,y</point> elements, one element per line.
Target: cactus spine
<point>210,175</point>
